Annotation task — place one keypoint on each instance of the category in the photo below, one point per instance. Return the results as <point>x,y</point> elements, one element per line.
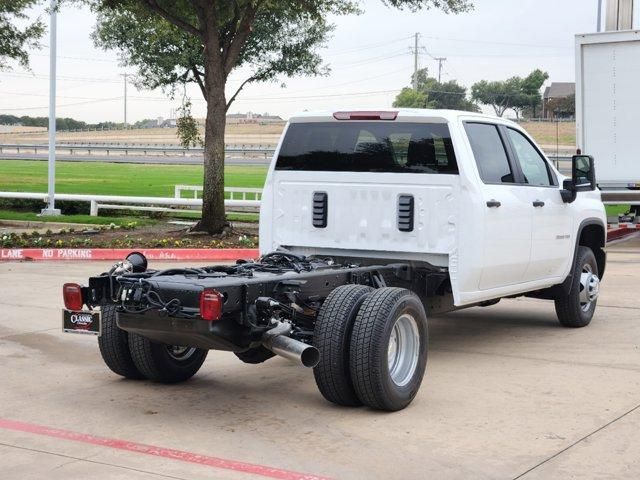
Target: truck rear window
<point>368,147</point>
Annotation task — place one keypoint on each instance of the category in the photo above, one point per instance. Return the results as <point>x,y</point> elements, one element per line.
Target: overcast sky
<point>369,56</point>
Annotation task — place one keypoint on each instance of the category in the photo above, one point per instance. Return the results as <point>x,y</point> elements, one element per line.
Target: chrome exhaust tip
<point>278,341</point>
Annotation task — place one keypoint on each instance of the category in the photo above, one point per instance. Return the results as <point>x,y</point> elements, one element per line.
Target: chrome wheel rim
<point>403,350</point>
<point>589,287</point>
<point>180,353</point>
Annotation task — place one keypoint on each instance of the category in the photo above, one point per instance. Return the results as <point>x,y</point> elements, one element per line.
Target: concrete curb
<point>13,254</point>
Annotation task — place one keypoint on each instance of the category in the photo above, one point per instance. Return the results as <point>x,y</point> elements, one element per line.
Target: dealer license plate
<point>87,323</point>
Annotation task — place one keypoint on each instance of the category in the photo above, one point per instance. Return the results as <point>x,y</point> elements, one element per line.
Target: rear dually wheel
<point>388,352</point>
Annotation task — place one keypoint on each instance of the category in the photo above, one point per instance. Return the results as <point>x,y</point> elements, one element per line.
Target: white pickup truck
<point>370,221</point>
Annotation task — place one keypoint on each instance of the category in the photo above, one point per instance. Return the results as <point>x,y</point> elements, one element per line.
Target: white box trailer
<point>608,110</point>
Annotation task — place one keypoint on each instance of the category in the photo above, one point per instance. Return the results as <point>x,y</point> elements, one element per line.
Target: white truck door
<point>551,243</point>
<point>508,214</point>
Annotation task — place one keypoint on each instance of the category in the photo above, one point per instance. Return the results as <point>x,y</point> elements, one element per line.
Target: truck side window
<point>533,166</point>
<point>489,152</point>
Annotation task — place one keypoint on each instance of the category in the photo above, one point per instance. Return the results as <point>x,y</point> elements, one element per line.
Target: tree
<point>432,94</point>
<point>515,93</point>
<point>14,39</point>
<point>500,95</point>
<point>530,91</point>
<point>562,107</point>
<point>203,41</point>
<point>409,98</point>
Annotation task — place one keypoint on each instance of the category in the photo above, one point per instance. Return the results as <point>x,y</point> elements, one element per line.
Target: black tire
<point>114,346</point>
<point>255,355</point>
<point>370,342</point>
<point>571,310</point>
<point>155,362</point>
<point>332,337</point>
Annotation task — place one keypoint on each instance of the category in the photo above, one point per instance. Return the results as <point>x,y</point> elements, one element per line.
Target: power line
<point>348,94</point>
<point>40,76</point>
<point>376,59</point>
<point>62,106</point>
<point>82,59</point>
<point>489,42</point>
<point>371,46</point>
<point>46,95</point>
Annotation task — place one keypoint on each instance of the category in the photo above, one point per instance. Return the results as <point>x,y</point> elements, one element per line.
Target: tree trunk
<point>213,214</point>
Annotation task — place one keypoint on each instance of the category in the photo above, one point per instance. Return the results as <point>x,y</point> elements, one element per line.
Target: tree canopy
<point>172,42</point>
<point>430,93</point>
<point>515,93</point>
<point>282,40</point>
<point>16,39</point>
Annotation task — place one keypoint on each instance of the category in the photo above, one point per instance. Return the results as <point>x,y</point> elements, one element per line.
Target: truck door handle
<point>538,203</point>
<point>493,203</point>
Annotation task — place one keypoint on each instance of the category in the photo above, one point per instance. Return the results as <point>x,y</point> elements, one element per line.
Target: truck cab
<point>465,192</point>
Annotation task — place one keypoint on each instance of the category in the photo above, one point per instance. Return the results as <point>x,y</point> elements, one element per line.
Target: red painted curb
<point>170,453</point>
<point>120,253</point>
<point>618,233</point>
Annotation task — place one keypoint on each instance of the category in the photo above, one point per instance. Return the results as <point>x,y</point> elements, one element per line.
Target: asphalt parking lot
<point>508,394</point>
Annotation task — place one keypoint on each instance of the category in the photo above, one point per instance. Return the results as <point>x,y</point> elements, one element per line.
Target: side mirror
<point>583,178</point>
<point>583,173</point>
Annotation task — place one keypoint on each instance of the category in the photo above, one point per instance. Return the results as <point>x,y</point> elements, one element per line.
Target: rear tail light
<point>72,294</point>
<point>211,304</point>
<point>360,115</point>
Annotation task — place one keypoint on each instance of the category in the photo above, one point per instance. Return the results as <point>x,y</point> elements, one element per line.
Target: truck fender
<point>595,237</point>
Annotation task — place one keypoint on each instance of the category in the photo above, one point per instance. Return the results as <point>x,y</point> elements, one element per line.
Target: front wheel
<point>576,309</point>
<point>165,363</point>
<point>388,352</point>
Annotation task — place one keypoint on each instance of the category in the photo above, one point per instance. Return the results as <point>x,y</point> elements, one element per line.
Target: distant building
<point>250,117</point>
<point>558,100</point>
<point>168,123</point>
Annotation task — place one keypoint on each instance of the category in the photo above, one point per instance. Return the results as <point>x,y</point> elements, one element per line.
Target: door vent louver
<point>320,204</point>
<point>405,213</point>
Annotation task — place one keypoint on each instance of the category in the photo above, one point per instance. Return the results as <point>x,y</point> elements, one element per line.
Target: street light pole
<point>599,20</point>
<point>51,196</point>
<point>125,75</point>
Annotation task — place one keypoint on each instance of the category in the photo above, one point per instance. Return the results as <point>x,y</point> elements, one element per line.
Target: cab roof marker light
<point>365,115</point>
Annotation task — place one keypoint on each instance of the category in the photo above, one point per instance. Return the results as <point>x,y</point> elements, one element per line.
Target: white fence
<point>137,203</point>
<point>129,149</point>
<point>232,193</point>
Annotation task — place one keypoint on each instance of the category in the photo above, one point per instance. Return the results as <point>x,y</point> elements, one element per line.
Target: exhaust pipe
<point>278,341</point>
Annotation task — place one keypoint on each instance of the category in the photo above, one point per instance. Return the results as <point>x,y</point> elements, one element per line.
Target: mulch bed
<point>161,235</point>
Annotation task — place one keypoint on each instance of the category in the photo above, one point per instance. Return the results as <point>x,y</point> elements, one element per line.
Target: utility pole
<point>440,61</point>
<point>125,75</point>
<point>51,195</point>
<point>415,62</point>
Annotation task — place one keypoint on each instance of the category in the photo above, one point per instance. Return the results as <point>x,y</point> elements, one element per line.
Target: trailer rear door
<point>608,104</point>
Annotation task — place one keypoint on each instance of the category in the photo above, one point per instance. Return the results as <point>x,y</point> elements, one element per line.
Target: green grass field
<point>126,179</point>
<point>117,178</point>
